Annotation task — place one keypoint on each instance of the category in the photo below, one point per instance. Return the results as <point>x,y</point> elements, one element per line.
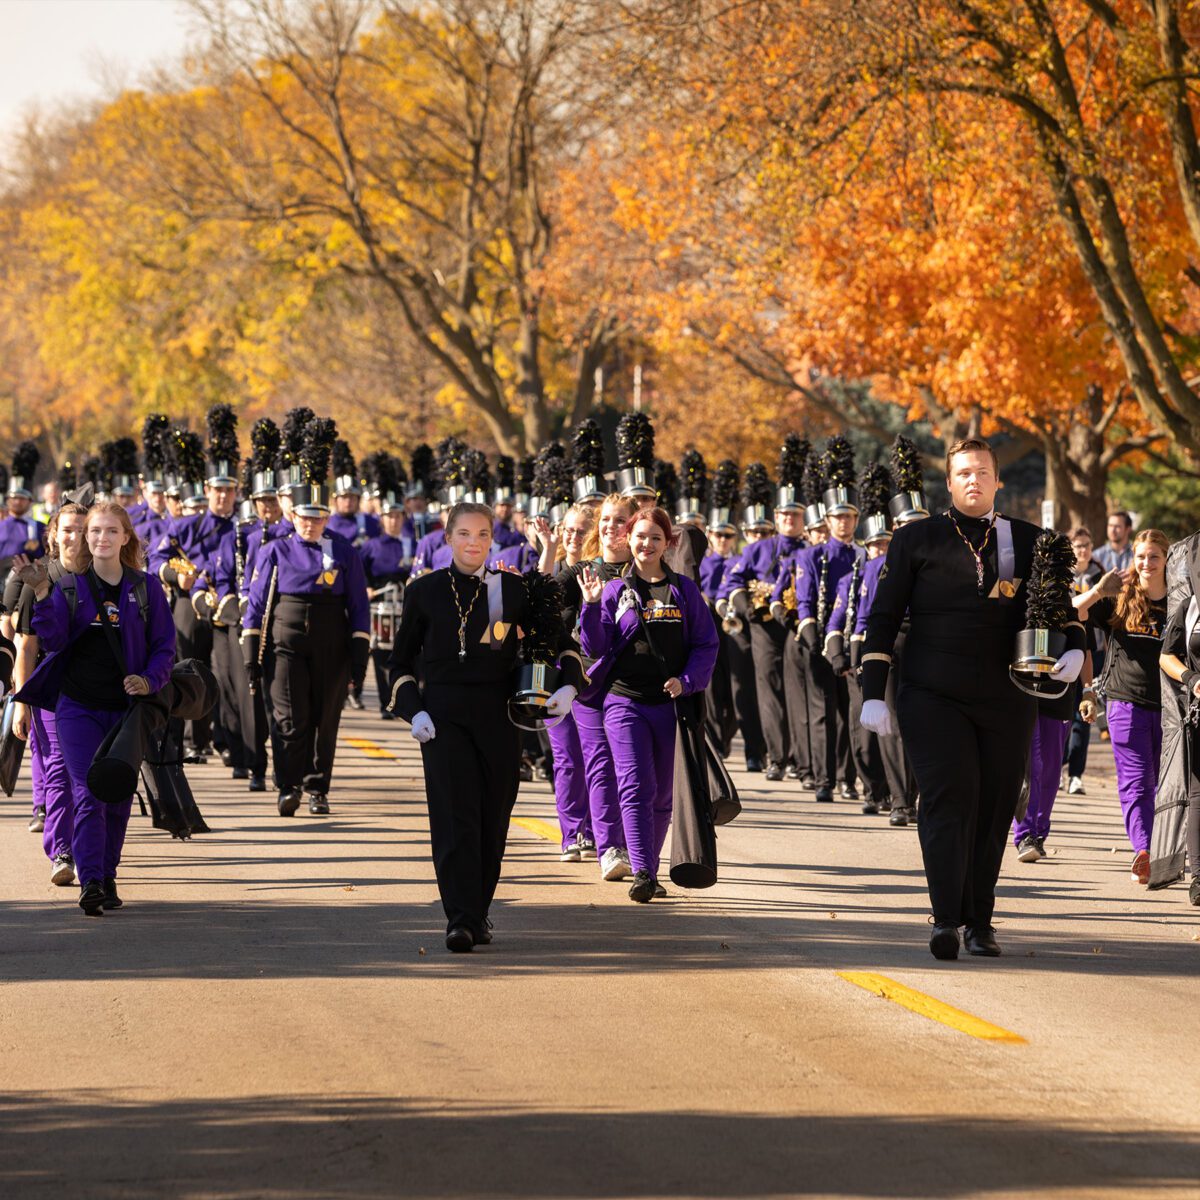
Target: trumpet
<point>182,565</point>
<point>760,597</point>
<point>732,622</point>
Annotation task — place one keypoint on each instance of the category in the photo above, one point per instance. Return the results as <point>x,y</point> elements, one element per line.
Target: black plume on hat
<point>156,429</point>
<point>120,458</point>
<point>874,489</point>
<point>25,461</point>
<point>449,462</point>
<point>386,472</point>
<point>222,435</point>
<point>186,455</point>
<point>506,472</point>
<point>525,469</point>
<point>422,466</point>
<point>552,476</point>
<point>475,468</point>
<point>544,632</point>
<point>635,441</point>
<point>1048,591</point>
<point>666,483</point>
<point>343,460</point>
<point>265,441</point>
<point>295,423</point>
<point>693,477</point>
<point>839,463</point>
<point>813,486</point>
<point>756,486</point>
<point>587,450</point>
<point>906,465</point>
<point>725,484</point>
<point>793,458</point>
<point>317,449</point>
<point>89,471</point>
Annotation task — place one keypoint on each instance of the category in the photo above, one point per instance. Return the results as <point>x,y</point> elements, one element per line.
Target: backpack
<point>68,586</point>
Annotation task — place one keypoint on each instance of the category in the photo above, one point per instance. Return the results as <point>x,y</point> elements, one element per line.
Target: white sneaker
<point>614,865</point>
<point>62,870</point>
<point>1075,787</point>
<point>570,853</point>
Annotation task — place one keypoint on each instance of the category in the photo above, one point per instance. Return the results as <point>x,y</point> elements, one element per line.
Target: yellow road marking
<point>368,747</point>
<point>927,1006</point>
<point>543,829</point>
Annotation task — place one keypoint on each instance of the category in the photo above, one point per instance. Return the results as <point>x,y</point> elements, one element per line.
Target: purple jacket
<point>603,633</point>
<point>147,652</point>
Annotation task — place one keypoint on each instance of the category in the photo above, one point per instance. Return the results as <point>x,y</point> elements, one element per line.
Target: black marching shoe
<point>808,783</point>
<point>227,757</point>
<point>792,772</point>
<point>484,936</point>
<point>847,791</point>
<point>1194,891</point>
<point>289,801</point>
<point>870,808</point>
<point>240,773</point>
<point>111,899</point>
<point>91,899</point>
<point>943,942</point>
<point>754,766</point>
<point>355,702</point>
<point>901,815</point>
<point>318,804</point>
<point>774,773</point>
<point>385,715</point>
<point>460,940</point>
<point>825,794</point>
<point>641,890</point>
<point>981,941</point>
<point>258,783</point>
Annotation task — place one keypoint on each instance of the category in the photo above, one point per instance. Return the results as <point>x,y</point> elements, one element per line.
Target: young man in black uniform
<point>960,577</point>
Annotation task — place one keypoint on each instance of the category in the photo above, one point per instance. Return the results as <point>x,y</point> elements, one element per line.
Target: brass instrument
<point>732,622</point>
<point>760,597</point>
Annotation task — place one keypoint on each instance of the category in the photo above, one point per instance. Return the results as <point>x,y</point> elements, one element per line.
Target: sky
<point>53,51</point>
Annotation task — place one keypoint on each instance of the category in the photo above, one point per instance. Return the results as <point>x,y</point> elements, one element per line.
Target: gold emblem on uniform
<point>1008,589</point>
<point>326,578</point>
<point>500,630</point>
<point>32,544</point>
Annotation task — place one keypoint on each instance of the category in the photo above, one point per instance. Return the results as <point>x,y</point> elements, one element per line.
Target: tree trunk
<point>1077,479</point>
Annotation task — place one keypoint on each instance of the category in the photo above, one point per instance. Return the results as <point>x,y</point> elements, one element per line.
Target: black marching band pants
<point>310,670</point>
<point>745,693</point>
<point>193,639</point>
<point>967,731</point>
<point>795,692</point>
<point>828,722</point>
<point>767,639</point>
<point>471,781</point>
<point>237,712</point>
<point>719,713</point>
<point>901,781</point>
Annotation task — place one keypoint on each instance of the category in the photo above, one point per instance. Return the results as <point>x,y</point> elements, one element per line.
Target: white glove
<point>560,702</point>
<point>877,717</point>
<point>422,728</point>
<point>1067,669</point>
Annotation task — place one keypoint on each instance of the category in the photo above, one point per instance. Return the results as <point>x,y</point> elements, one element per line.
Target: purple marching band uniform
<point>22,535</point>
<point>386,560</point>
<point>310,600</point>
<point>763,562</point>
<point>741,669</point>
<point>80,682</point>
<point>818,570</point>
<point>356,527</point>
<point>639,715</point>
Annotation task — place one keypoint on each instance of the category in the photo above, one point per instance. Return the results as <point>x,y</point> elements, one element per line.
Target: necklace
<point>463,617</point>
<point>977,555</point>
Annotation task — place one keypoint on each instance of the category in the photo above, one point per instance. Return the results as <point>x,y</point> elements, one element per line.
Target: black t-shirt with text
<point>92,675</point>
<point>637,673</point>
<point>1132,663</point>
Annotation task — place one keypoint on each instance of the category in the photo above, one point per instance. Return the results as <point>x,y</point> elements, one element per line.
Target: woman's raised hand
<point>31,572</point>
<point>591,586</point>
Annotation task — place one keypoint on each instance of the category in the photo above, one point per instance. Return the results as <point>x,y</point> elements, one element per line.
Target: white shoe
<point>62,870</point>
<point>1075,787</point>
<point>570,853</point>
<point>614,865</point>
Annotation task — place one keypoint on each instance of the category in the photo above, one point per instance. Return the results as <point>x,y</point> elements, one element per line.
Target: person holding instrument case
<point>102,652</point>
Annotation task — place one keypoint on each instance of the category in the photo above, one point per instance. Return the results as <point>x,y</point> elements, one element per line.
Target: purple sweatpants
<point>51,783</point>
<point>601,777</point>
<point>99,829</point>
<point>570,784</point>
<point>1045,769</point>
<point>1136,735</point>
<point>642,737</point>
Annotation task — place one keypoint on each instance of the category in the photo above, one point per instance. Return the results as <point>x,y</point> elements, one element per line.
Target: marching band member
<point>462,623</point>
<point>386,562</point>
<point>655,641</point>
<point>308,606</point>
<point>98,657</point>
<point>348,519</point>
<point>960,578</point>
<point>722,713</point>
<point>150,516</point>
<point>20,532</point>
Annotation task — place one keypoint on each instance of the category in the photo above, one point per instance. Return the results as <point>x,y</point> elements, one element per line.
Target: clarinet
<point>852,602</point>
<point>822,600</point>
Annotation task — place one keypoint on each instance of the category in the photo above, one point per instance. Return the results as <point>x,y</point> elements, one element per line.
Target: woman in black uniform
<point>462,620</point>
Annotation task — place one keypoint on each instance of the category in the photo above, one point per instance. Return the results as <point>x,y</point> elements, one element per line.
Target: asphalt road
<point>273,1014</point>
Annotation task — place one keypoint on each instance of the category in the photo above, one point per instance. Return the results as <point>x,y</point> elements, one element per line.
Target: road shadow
<point>348,1146</point>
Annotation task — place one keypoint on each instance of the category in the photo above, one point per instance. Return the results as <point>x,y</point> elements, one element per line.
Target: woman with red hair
<point>654,641</point>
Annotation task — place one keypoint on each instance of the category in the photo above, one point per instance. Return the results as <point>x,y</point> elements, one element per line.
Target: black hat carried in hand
<point>635,455</point>
<point>224,453</point>
<point>908,503</point>
<point>1048,612</point>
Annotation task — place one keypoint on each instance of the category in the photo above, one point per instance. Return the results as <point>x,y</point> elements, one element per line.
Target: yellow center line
<point>543,829</point>
<point>927,1006</point>
<point>369,748</point>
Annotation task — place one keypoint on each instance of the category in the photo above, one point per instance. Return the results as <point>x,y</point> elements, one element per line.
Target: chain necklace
<point>977,555</point>
<point>464,617</point>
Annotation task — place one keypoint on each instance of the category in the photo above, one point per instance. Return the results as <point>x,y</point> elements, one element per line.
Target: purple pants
<point>51,783</point>
<point>642,737</point>
<point>99,829</point>
<point>1136,735</point>
<point>570,784</point>
<point>1045,770</point>
<point>601,776</point>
